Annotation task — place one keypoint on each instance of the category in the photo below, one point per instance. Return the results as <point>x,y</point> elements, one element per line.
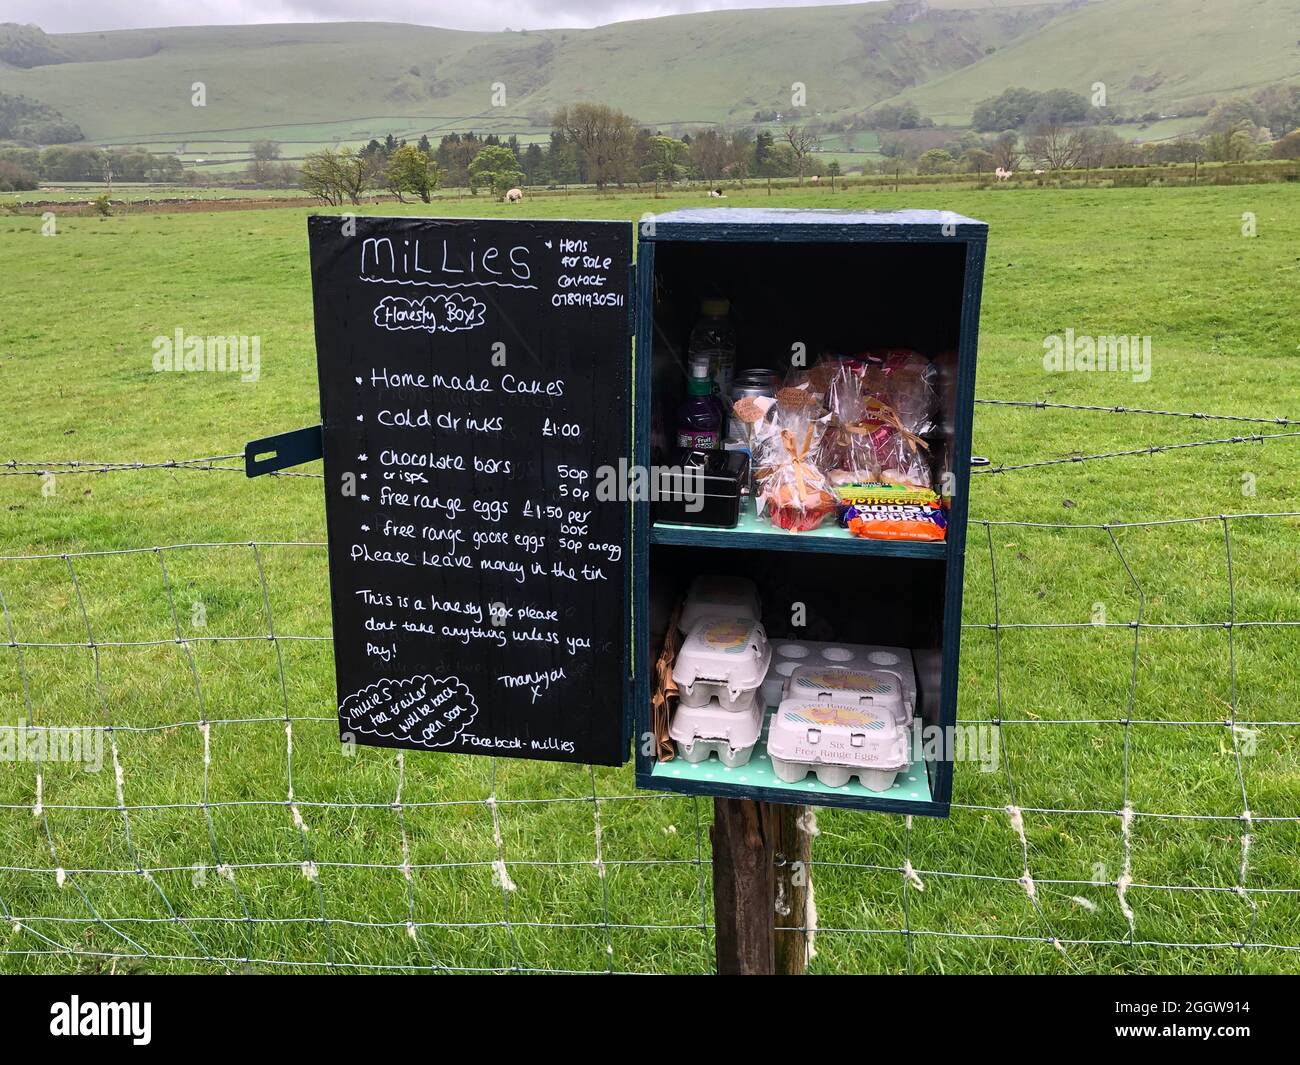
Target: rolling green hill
<point>308,84</point>
<point>1150,54</point>
<point>713,67</point>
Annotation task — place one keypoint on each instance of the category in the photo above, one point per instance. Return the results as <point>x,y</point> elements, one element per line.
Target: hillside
<point>1151,55</point>
<point>713,67</point>
<point>308,84</point>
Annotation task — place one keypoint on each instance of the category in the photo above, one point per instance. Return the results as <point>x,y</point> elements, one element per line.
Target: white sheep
<point>1002,174</point>
<point>514,195</point>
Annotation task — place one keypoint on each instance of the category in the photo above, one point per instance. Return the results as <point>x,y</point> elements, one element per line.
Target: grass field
<point>78,192</point>
<point>77,315</point>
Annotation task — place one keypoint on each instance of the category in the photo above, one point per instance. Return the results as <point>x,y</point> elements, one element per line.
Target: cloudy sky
<point>68,16</point>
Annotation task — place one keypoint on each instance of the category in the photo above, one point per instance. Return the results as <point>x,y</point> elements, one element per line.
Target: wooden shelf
<point>756,533</point>
<point>757,780</point>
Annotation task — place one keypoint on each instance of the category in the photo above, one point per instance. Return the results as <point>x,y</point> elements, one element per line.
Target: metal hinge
<point>279,452</point>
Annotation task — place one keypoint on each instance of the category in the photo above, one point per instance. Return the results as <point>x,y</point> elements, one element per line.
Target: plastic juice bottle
<point>699,424</point>
<point>714,338</point>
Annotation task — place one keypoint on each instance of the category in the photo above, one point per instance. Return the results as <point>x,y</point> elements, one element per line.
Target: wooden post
<point>742,887</point>
<point>791,873</point>
<point>758,887</point>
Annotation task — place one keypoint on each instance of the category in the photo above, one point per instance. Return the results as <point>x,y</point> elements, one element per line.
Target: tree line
<point>595,144</point>
<point>23,168</point>
<point>589,144</point>
<point>1060,130</point>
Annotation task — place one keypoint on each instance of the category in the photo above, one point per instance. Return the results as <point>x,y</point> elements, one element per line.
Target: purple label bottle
<point>699,420</point>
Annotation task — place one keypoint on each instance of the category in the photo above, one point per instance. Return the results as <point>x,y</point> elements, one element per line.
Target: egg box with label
<point>807,667</point>
<point>731,734</point>
<point>837,737</point>
<point>722,658</point>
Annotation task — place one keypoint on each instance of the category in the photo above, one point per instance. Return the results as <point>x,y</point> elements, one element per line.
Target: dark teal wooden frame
<point>804,227</point>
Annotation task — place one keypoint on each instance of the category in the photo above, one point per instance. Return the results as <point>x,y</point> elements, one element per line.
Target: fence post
<point>742,887</point>
<point>792,875</point>
<point>757,887</point>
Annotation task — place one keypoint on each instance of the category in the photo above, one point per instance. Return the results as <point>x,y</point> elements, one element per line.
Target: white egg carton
<point>723,658</point>
<point>838,739</point>
<point>884,686</point>
<point>728,597</point>
<point>790,655</point>
<point>699,731</point>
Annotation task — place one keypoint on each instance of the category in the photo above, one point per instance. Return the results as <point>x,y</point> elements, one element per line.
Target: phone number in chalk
<point>588,299</point>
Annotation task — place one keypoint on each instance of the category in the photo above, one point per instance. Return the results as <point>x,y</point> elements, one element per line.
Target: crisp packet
<point>857,492</point>
<point>895,521</point>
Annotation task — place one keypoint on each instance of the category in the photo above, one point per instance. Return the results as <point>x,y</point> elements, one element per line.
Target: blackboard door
<point>475,397</point>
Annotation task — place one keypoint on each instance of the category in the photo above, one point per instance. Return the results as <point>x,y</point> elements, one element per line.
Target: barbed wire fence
<point>225,463</point>
<point>570,869</point>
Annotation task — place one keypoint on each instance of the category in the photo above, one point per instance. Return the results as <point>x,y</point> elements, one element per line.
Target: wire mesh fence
<point>174,795</point>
